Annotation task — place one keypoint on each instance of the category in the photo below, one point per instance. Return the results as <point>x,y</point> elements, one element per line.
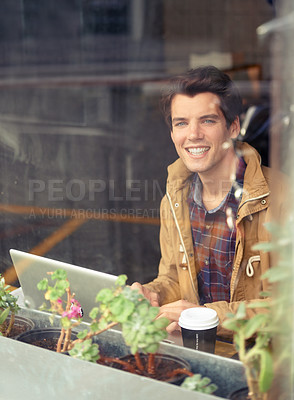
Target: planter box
<point>35,373</point>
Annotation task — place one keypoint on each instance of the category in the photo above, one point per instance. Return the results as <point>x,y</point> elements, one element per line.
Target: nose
<point>195,131</point>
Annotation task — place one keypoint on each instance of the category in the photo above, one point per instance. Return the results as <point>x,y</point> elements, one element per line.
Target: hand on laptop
<point>151,296</point>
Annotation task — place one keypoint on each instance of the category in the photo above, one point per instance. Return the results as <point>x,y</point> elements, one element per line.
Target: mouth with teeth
<point>197,151</point>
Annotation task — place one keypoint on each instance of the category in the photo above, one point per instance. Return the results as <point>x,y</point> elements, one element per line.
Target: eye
<point>209,121</point>
<point>181,123</point>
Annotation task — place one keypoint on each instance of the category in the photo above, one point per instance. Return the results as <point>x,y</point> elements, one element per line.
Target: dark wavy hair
<point>201,80</point>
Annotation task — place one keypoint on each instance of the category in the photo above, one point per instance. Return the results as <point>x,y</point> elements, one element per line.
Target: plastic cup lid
<point>198,318</point>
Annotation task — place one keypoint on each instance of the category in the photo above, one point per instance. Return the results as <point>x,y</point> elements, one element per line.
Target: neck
<point>216,184</point>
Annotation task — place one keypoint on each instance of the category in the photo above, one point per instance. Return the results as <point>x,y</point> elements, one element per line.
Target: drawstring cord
<point>249,267</point>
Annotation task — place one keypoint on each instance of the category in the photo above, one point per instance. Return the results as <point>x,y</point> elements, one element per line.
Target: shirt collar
<point>235,191</point>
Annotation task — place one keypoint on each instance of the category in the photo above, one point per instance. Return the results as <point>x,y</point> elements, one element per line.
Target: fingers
<point>137,286</point>
<point>173,310</point>
<point>174,326</point>
<point>152,297</point>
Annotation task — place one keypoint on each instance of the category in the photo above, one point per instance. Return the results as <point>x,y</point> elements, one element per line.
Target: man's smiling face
<point>200,133</point>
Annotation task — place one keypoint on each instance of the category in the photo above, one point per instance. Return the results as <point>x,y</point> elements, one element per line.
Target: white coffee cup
<point>199,326</point>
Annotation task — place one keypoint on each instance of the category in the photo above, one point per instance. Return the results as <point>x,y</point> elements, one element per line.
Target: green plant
<point>281,278</point>
<point>269,354</point>
<point>199,384</point>
<point>256,357</point>
<point>141,329</point>
<point>69,309</point>
<point>8,305</point>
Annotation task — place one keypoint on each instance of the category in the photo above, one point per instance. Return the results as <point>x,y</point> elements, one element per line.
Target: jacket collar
<point>255,184</point>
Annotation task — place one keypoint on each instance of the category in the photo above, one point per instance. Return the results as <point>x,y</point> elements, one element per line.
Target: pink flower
<point>75,302</point>
<point>75,310</point>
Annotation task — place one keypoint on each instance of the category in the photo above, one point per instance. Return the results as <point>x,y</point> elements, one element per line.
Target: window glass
<point>84,148</point>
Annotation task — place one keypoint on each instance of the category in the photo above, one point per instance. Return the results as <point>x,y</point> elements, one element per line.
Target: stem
<point>91,334</point>
<point>62,333</point>
<point>139,361</point>
<point>68,299</point>
<point>253,391</point>
<point>151,363</point>
<point>11,322</point>
<point>242,348</point>
<point>245,358</point>
<point>181,371</point>
<point>126,365</point>
<point>67,340</point>
<point>60,339</point>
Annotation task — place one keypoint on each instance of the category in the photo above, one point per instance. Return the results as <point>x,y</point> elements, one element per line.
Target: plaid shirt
<point>214,240</point>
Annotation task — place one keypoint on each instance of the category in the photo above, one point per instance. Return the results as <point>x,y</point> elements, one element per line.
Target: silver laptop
<point>85,283</point>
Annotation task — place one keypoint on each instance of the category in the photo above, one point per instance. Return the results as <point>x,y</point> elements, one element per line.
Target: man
<point>217,201</point>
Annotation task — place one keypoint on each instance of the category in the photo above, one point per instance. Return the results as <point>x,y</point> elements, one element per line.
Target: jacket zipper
<point>253,199</point>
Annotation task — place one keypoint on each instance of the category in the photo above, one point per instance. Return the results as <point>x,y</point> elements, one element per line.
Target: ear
<point>235,128</point>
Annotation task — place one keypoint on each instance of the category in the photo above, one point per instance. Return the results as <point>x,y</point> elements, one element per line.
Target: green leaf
<point>129,337</point>
<point>259,304</point>
<point>43,284</point>
<point>93,350</point>
<point>105,295</point>
<point>265,294</point>
<point>65,323</point>
<point>121,308</point>
<point>232,325</point>
<point>121,280</point>
<point>82,334</point>
<point>199,384</point>
<point>204,382</point>
<point>253,325</point>
<point>237,341</point>
<point>266,371</point>
<point>59,274</point>
<point>210,389</point>
<point>153,312</point>
<point>265,246</point>
<point>43,307</point>
<point>4,315</point>
<point>95,326</point>
<point>191,382</point>
<point>152,348</point>
<point>241,312</point>
<point>94,313</point>
<point>142,309</point>
<point>85,351</point>
<point>262,340</point>
<point>54,294</point>
<point>276,275</point>
<point>273,228</point>
<point>61,286</point>
<point>161,323</point>
<point>51,319</point>
<point>102,324</point>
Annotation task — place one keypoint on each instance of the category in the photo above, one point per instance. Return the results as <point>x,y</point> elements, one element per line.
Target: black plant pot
<point>21,325</point>
<point>240,394</point>
<point>46,337</point>
<point>165,367</point>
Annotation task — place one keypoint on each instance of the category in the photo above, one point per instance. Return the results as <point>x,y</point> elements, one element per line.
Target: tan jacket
<point>178,267</point>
